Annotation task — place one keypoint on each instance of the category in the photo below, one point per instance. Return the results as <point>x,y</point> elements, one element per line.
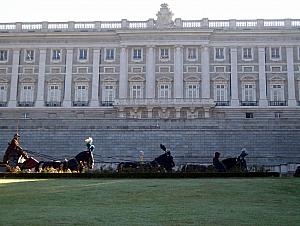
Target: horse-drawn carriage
<point>162,163</point>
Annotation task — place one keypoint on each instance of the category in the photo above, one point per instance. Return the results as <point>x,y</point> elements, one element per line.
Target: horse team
<point>163,163</point>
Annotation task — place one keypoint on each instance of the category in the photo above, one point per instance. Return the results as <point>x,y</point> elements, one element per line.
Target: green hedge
<point>135,175</point>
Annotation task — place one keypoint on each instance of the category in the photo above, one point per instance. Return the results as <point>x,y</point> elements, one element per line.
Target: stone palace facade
<point>157,68</point>
<point>197,86</point>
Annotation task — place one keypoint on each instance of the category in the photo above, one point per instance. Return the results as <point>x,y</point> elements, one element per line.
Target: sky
<point>142,10</point>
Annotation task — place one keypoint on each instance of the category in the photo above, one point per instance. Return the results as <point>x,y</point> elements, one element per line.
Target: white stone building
<point>159,68</point>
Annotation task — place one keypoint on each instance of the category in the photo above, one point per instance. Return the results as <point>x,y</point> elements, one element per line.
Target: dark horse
<point>236,164</point>
<point>78,163</point>
<point>162,163</point>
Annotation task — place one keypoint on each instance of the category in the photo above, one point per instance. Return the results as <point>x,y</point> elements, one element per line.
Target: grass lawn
<point>264,201</point>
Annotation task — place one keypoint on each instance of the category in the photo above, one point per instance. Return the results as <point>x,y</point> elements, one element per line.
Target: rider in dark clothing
<point>14,151</point>
<point>217,164</point>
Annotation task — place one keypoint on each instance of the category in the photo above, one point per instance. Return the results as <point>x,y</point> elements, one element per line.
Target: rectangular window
<point>275,53</point>
<point>3,55</point>
<point>277,93</point>
<point>191,53</point>
<point>247,54</point>
<point>109,93</point>
<point>137,54</point>
<point>110,54</point>
<point>3,93</point>
<point>164,54</point>
<point>164,92</point>
<point>220,92</point>
<point>277,115</point>
<point>219,54</point>
<point>249,115</point>
<point>54,93</point>
<point>81,93</point>
<point>83,54</point>
<point>27,93</point>
<point>29,55</point>
<point>56,54</point>
<point>136,92</point>
<point>249,92</point>
<point>192,91</point>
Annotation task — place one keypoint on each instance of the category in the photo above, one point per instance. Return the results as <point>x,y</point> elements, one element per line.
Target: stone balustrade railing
<point>72,26</point>
<point>164,102</point>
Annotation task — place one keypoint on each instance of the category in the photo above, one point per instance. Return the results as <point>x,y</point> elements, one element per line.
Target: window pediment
<point>277,78</point>
<point>3,80</point>
<point>54,80</point>
<point>109,79</point>
<point>192,79</point>
<point>136,79</point>
<point>27,79</point>
<point>248,78</point>
<point>220,78</point>
<point>164,79</point>
<point>81,79</point>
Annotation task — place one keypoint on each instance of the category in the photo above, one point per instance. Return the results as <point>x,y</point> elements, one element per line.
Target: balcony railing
<point>277,103</point>
<point>80,103</point>
<point>107,103</point>
<point>96,26</point>
<point>164,102</point>
<point>249,103</point>
<point>53,104</point>
<point>3,104</point>
<point>222,103</point>
<point>25,104</point>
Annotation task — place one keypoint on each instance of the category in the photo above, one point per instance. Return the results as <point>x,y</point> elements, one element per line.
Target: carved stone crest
<point>164,17</point>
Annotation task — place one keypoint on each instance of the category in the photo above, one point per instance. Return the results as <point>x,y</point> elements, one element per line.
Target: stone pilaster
<point>14,79</point>
<point>234,78</point>
<point>123,80</point>
<point>205,77</point>
<point>40,100</point>
<point>95,79</point>
<point>68,79</point>
<point>178,73</point>
<point>262,77</point>
<point>291,77</point>
<point>150,72</point>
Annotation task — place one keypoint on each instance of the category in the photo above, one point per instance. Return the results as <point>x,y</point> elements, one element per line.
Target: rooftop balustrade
<point>98,26</point>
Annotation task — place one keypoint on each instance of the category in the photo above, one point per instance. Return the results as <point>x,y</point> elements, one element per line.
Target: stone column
<point>68,79</point>
<point>123,80</point>
<point>205,77</point>
<point>95,79</point>
<point>150,72</point>
<point>40,102</point>
<point>14,79</point>
<point>291,77</point>
<point>178,73</point>
<point>262,77</point>
<point>234,78</point>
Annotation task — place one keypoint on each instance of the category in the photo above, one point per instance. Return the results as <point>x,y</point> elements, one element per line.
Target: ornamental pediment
<point>136,79</point>
<point>220,78</point>
<point>26,79</point>
<point>55,80</point>
<point>164,79</point>
<point>277,78</point>
<point>3,80</point>
<point>248,78</point>
<point>192,78</point>
<point>81,79</point>
<point>109,79</point>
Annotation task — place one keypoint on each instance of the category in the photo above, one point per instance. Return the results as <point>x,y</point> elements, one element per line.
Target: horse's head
<point>166,160</point>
